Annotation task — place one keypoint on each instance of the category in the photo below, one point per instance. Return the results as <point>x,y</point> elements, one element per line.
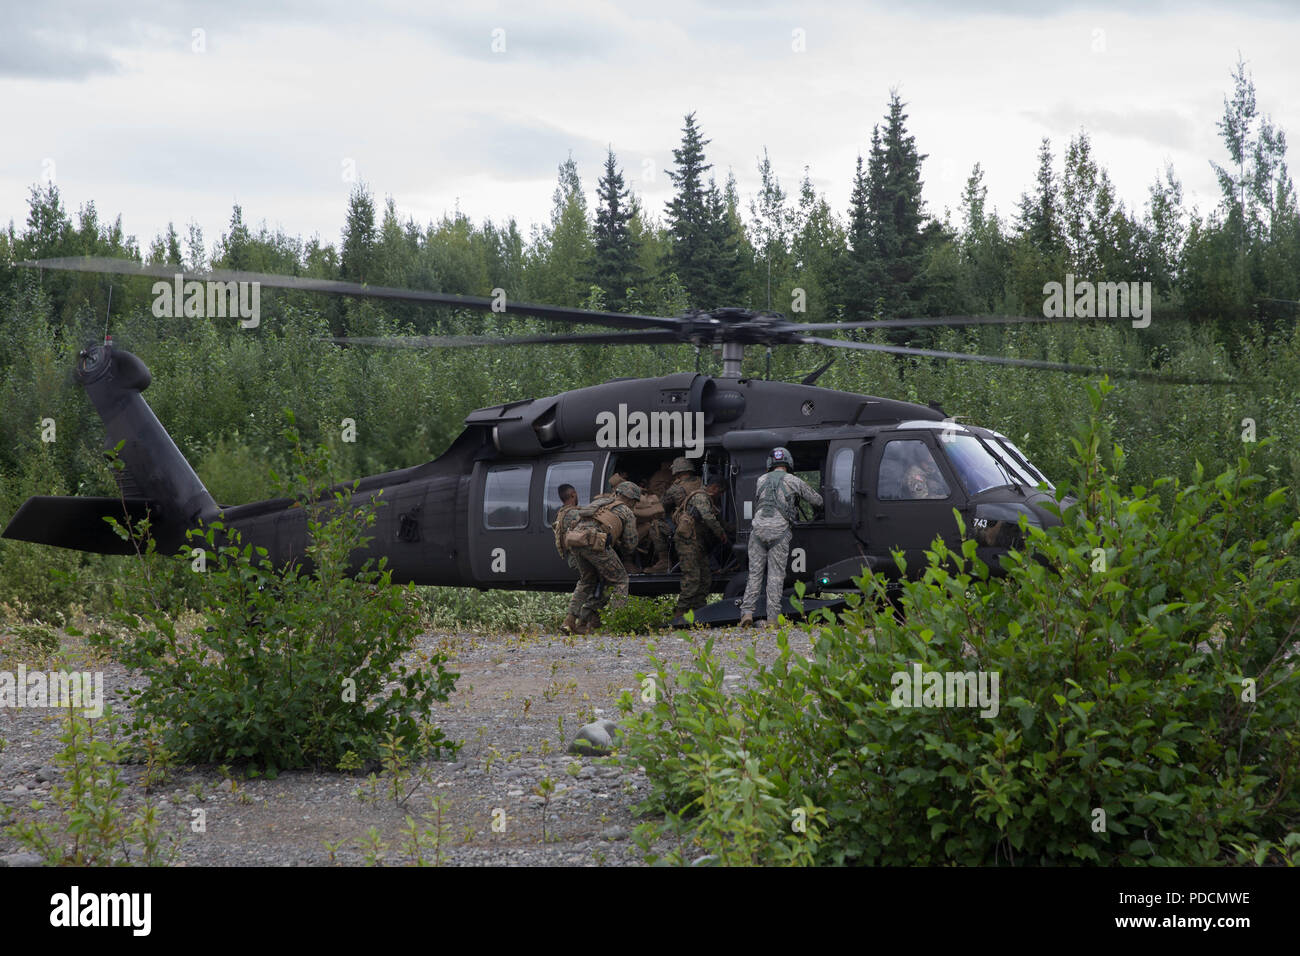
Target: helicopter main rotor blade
<point>468,341</point>
<point>1138,374</point>
<point>554,313</point>
<point>946,321</point>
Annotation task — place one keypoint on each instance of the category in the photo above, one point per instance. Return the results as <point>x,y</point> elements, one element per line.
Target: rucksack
<point>770,498</point>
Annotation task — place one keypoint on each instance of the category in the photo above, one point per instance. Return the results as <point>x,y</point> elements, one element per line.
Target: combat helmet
<point>683,466</point>
<point>629,489</point>
<point>780,456</point>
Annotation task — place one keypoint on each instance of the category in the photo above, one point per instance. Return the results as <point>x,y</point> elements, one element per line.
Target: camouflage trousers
<point>769,550</point>
<point>596,567</point>
<point>655,540</point>
<point>697,576</point>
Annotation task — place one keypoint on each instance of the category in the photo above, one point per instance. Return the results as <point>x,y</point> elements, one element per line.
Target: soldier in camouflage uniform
<point>661,480</point>
<point>684,480</point>
<point>769,535</point>
<point>565,519</point>
<point>610,529</point>
<point>695,517</point>
<point>652,531</point>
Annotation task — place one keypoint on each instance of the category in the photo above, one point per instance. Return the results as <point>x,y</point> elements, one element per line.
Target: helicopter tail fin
<point>155,478</point>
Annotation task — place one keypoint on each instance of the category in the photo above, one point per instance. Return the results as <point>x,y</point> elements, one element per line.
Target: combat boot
<point>746,620</point>
<point>569,622</point>
<point>662,566</point>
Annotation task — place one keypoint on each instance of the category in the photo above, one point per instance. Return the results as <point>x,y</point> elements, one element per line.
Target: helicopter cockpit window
<point>1012,464</point>
<point>839,491</point>
<point>1027,466</point>
<point>576,473</point>
<point>975,464</point>
<point>908,473</point>
<point>505,496</point>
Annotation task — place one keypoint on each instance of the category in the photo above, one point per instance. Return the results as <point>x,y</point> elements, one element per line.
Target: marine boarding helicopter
<point>892,473</point>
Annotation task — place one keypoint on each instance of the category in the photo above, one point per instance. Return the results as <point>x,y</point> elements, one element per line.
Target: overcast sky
<point>176,110</point>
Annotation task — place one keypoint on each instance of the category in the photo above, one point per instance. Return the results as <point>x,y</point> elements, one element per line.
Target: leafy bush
<point>639,615</point>
<point>293,668</point>
<point>1148,706</point>
<point>93,827</point>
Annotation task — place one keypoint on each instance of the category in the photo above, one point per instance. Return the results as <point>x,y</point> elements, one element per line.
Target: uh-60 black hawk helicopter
<point>891,472</point>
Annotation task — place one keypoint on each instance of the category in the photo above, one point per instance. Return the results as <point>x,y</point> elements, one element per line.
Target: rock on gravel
<point>596,739</point>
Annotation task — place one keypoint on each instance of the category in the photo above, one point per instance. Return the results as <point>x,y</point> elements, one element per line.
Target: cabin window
<point>505,496</point>
<point>839,490</point>
<point>908,473</point>
<point>576,473</point>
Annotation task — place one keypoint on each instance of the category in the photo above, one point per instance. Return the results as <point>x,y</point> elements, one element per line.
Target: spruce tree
<point>1039,221</point>
<point>694,259</point>
<point>614,264</point>
<point>859,294</point>
<point>728,248</point>
<point>901,217</point>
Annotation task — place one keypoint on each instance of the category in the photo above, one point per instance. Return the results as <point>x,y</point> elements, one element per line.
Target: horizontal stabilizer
<point>76,523</point>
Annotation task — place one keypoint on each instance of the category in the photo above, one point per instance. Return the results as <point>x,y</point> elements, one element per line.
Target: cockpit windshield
<point>1018,471</point>
<point>982,464</point>
<point>975,464</point>
<point>1023,466</point>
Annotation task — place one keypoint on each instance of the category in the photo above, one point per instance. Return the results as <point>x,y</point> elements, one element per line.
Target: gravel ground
<point>513,693</point>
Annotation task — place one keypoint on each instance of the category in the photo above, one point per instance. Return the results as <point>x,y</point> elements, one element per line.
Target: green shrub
<point>1148,707</point>
<point>639,615</point>
<point>293,668</point>
<point>92,827</point>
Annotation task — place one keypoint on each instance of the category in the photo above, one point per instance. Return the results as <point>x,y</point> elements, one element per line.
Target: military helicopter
<point>892,473</point>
